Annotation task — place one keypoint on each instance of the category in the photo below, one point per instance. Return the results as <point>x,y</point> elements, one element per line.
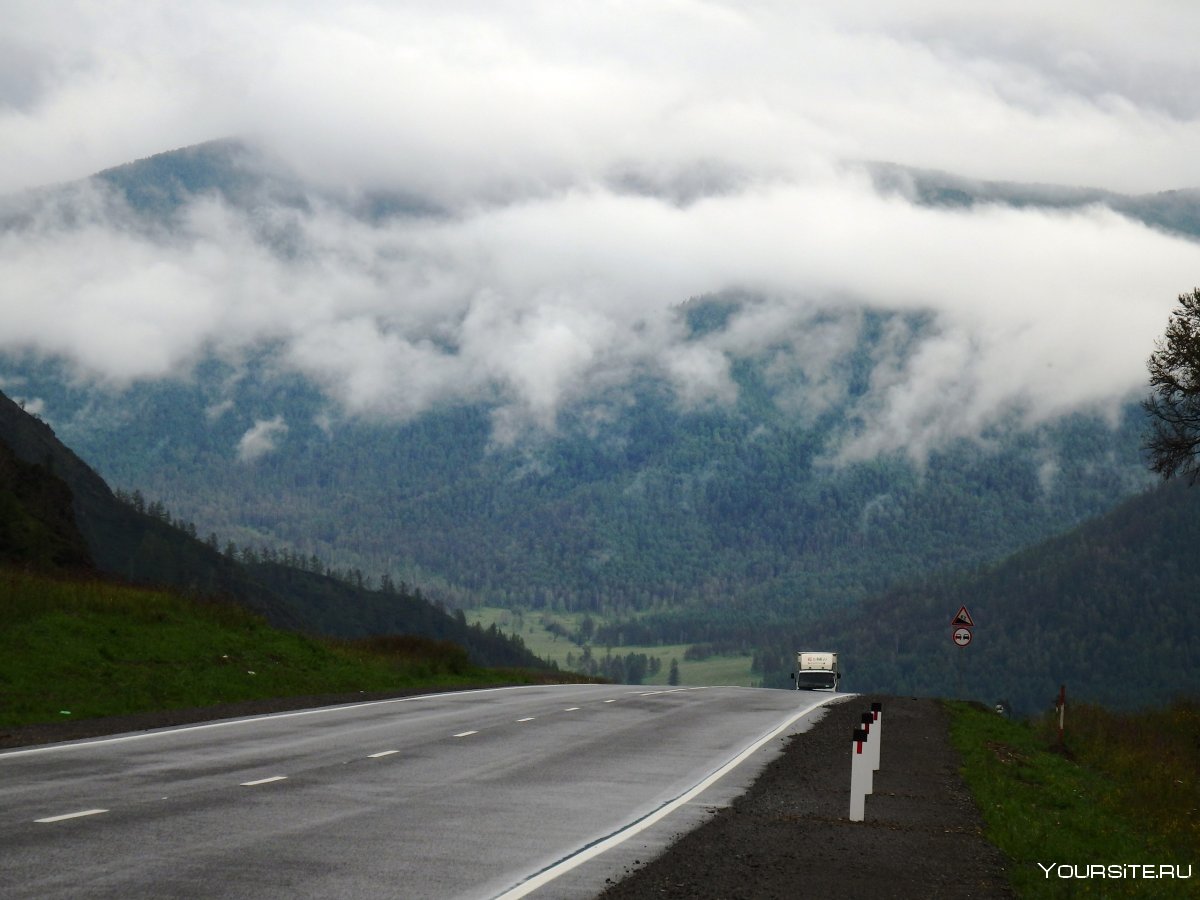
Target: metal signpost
<point>962,623</point>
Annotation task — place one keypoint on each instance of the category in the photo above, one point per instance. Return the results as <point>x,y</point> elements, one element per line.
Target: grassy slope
<point>1123,792</point>
<point>88,648</point>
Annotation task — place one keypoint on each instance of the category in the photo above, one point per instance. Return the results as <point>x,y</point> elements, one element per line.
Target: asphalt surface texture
<point>788,834</point>
<point>540,790</point>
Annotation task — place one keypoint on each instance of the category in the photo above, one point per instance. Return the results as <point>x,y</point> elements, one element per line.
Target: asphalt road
<point>544,790</point>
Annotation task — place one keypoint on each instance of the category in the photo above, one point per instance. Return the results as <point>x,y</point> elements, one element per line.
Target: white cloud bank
<point>598,164</point>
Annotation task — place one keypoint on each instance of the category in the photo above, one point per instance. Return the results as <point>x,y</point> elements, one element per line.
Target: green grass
<point>732,669</point>
<point>91,648</point>
<point>1123,791</point>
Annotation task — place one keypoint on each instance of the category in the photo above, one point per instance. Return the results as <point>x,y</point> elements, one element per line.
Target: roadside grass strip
<point>1067,819</point>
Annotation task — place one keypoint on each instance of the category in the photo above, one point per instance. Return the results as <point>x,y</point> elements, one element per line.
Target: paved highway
<point>544,791</point>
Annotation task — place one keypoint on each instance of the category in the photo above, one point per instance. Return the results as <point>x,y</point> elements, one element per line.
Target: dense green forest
<point>57,514</point>
<point>729,514</point>
<point>1110,609</point>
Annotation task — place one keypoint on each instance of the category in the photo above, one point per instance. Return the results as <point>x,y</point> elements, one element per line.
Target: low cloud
<point>564,177</point>
<point>541,303</point>
<point>261,439</point>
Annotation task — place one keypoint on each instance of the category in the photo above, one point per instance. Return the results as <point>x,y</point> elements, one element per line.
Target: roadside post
<point>858,774</point>
<point>961,634</point>
<point>1060,707</point>
<point>877,733</point>
<point>868,722</point>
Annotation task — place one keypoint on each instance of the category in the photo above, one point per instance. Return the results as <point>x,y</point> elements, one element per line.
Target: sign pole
<point>962,623</point>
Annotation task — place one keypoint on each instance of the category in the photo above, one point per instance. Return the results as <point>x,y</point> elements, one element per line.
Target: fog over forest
<point>563,176</point>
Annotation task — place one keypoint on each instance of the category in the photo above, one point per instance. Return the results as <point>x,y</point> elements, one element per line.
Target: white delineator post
<point>868,722</point>
<point>860,769</point>
<point>876,733</point>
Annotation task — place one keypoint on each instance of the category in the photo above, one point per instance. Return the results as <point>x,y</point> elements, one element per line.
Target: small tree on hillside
<point>1174,405</point>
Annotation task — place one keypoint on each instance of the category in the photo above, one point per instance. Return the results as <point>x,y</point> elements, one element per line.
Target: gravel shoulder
<point>790,836</point>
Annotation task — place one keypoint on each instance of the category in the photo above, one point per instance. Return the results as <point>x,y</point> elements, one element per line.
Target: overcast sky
<point>599,163</point>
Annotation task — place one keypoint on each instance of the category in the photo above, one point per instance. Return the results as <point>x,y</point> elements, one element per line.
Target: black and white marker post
<point>860,768</point>
<point>876,733</point>
<point>868,725</point>
<point>865,747</point>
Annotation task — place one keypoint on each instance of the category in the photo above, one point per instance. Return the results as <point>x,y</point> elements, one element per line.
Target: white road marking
<point>74,815</point>
<point>527,719</point>
<point>613,700</point>
<point>226,723</point>
<point>264,781</point>
<point>571,709</point>
<point>382,753</point>
<point>544,877</point>
<point>466,733</point>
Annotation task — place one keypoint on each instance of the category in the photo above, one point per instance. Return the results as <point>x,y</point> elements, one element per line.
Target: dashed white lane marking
<point>226,723</point>
<point>571,709</point>
<point>382,753</point>
<point>264,781</point>
<point>74,815</point>
<point>527,719</point>
<point>466,733</point>
<point>613,700</point>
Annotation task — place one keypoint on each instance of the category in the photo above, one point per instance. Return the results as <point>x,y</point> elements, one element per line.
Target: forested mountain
<point>56,514</point>
<point>1111,610</point>
<point>722,516</point>
<point>708,519</point>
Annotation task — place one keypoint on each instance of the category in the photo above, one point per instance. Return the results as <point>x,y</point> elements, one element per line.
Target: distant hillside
<point>1111,609</point>
<point>645,511</point>
<point>684,521</point>
<point>142,548</point>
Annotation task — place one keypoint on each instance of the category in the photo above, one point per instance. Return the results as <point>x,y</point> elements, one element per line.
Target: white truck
<point>817,670</point>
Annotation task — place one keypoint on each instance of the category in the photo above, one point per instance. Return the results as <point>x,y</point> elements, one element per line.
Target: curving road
<point>544,791</point>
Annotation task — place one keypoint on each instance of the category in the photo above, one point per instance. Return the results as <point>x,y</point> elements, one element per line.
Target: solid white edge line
<point>74,815</point>
<point>225,723</point>
<point>264,781</point>
<point>544,877</point>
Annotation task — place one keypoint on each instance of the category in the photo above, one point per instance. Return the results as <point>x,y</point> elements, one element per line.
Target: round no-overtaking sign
<point>962,636</point>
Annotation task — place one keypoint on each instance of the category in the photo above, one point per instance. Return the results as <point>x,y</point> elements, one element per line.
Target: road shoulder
<point>789,834</point>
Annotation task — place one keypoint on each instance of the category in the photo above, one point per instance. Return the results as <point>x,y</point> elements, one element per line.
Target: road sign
<point>962,636</point>
<point>963,618</point>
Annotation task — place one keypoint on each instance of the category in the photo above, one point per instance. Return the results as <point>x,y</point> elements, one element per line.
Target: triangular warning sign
<point>963,618</point>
